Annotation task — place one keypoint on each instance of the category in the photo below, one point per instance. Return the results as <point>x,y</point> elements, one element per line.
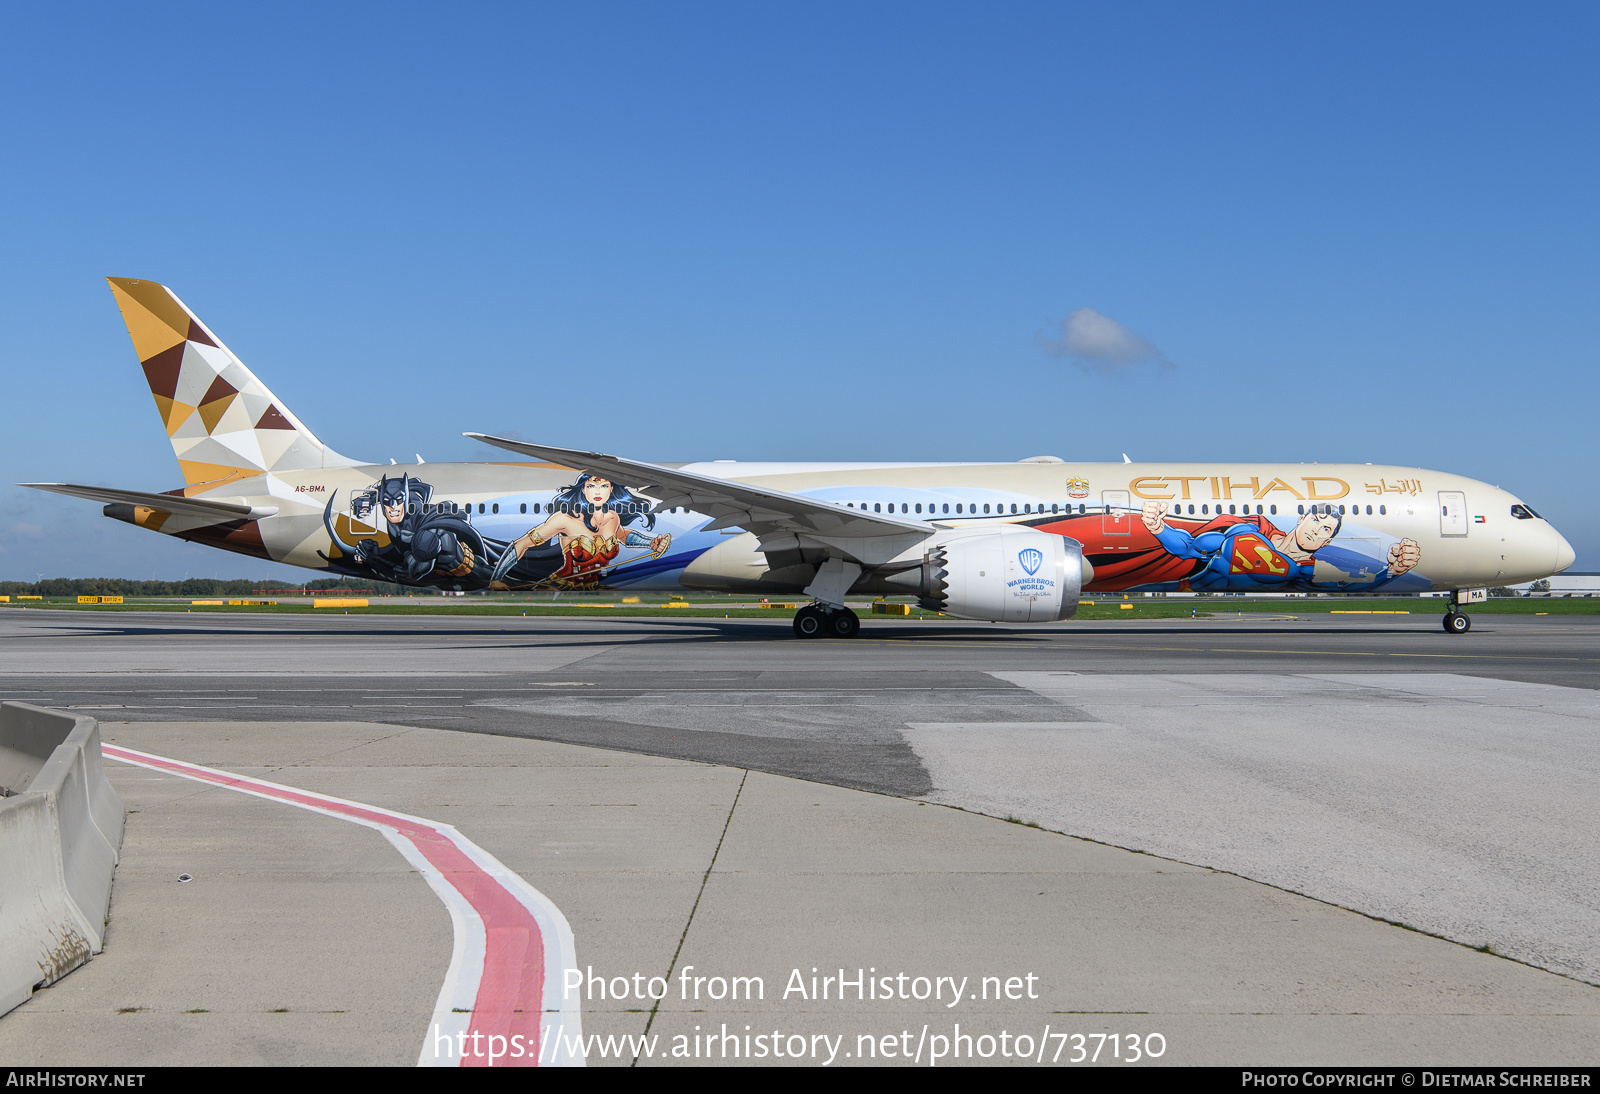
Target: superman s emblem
<point>1253,556</point>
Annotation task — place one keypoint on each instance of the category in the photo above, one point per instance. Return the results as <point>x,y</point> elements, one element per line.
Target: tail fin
<point>224,423</point>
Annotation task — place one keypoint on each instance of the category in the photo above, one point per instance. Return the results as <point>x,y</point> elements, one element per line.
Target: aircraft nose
<point>1565,556</point>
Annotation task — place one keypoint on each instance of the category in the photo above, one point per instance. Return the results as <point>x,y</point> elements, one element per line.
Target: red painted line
<point>510,997</point>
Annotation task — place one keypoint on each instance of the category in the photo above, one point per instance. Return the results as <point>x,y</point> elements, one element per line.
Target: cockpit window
<point>1522,512</point>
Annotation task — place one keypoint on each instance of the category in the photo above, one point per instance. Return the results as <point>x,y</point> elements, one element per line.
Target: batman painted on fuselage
<point>424,547</point>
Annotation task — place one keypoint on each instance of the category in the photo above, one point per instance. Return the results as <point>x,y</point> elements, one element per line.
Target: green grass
<point>1221,607</point>
<point>1095,609</point>
<point>1414,605</point>
<point>733,607</point>
<point>431,606</point>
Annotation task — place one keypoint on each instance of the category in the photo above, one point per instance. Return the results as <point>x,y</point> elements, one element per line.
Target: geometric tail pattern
<point>223,422</point>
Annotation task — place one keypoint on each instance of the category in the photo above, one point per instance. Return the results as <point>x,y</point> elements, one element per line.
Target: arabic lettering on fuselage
<point>1412,487</point>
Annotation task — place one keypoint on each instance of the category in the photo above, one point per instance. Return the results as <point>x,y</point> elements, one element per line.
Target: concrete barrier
<point>60,832</point>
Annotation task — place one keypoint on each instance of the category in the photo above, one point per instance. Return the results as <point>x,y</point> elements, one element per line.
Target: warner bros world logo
<point>1030,560</point>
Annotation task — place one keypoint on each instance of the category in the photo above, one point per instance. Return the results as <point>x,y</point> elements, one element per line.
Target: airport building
<point>1571,583</point>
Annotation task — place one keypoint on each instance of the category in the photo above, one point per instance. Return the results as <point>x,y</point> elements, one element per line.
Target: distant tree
<point>192,587</point>
<point>1539,587</point>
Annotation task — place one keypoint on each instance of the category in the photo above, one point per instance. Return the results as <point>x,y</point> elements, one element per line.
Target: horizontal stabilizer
<point>165,503</point>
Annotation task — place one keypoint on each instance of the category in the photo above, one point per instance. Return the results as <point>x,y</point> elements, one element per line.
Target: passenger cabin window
<point>985,507</point>
<point>1383,510</point>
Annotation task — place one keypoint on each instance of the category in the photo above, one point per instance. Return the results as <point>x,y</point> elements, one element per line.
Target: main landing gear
<point>1457,622</point>
<point>818,621</point>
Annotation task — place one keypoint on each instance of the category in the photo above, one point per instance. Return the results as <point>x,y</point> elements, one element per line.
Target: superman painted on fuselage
<point>1253,555</point>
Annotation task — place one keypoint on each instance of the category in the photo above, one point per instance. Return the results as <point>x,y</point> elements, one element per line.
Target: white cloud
<point>1098,343</point>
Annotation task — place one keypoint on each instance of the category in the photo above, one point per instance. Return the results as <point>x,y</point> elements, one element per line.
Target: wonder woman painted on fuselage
<point>588,520</point>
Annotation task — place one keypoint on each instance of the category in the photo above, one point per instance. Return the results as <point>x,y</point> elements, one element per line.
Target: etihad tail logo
<point>224,423</point>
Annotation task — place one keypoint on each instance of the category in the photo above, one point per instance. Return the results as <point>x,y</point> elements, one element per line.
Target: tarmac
<point>1245,806</point>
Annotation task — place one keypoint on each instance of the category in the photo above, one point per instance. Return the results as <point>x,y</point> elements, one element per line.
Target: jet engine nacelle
<point>1004,575</point>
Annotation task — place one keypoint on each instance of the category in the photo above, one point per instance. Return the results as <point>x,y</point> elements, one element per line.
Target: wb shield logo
<point>1030,560</point>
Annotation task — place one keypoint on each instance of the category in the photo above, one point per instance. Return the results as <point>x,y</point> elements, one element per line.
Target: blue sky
<point>1362,233</point>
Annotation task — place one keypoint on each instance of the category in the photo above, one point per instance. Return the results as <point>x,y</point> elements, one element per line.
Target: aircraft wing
<point>166,503</point>
<point>730,504</point>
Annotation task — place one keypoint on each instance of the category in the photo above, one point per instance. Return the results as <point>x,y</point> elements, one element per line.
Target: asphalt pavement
<point>1375,764</point>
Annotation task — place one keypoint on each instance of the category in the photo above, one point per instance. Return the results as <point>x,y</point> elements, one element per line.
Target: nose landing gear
<point>1455,620</point>
<point>818,621</point>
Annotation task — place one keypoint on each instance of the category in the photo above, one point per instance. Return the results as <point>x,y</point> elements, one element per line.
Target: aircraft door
<point>1116,521</point>
<point>1452,513</point>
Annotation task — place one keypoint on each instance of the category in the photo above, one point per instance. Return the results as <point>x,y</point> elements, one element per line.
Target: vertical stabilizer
<point>223,422</point>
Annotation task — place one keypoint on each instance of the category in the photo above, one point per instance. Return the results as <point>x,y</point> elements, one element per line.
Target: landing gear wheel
<point>843,623</point>
<point>809,622</point>
<point>1457,623</point>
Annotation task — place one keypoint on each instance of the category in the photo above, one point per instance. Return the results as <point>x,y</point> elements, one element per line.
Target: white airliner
<point>1013,542</point>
